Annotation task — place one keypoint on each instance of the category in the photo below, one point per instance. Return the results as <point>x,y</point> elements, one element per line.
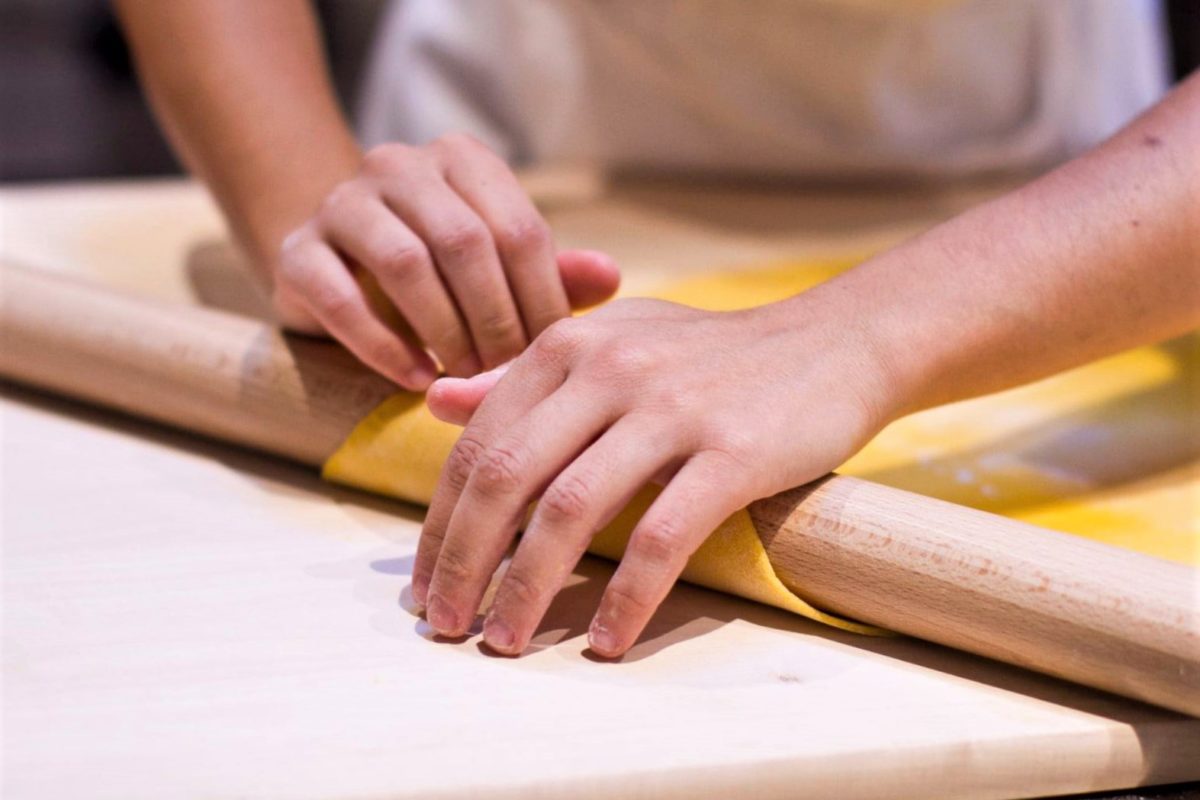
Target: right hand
<point>457,247</point>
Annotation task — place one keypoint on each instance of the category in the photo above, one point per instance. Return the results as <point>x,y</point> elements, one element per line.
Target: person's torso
<point>791,87</point>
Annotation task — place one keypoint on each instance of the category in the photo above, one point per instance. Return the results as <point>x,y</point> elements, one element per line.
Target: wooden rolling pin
<point>1055,603</point>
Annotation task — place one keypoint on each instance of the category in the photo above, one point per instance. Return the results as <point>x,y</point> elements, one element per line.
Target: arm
<point>242,92</point>
<point>464,264</point>
<point>1099,255</point>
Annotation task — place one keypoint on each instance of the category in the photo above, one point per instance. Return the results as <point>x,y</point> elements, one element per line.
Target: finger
<point>312,271</point>
<point>693,504</point>
<point>507,477</point>
<point>522,237</point>
<point>367,231</point>
<point>580,501</point>
<point>466,258</point>
<point>531,378</point>
<point>454,400</point>
<point>588,276</point>
<point>292,313</point>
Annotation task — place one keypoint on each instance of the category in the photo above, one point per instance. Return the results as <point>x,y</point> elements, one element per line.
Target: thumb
<point>454,400</point>
<point>589,276</point>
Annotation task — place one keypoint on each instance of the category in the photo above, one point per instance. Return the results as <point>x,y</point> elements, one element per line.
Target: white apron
<point>806,88</point>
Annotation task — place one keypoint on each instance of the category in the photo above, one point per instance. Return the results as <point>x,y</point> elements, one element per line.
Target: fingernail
<point>420,589</point>
<point>600,255</point>
<point>447,382</point>
<point>440,615</point>
<point>498,635</point>
<point>601,640</point>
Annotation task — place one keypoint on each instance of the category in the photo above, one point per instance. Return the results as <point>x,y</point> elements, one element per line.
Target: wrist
<point>832,325</point>
<point>266,197</point>
<point>292,201</point>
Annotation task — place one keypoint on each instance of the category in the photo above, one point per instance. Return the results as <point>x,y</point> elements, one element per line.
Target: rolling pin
<point>1048,601</point>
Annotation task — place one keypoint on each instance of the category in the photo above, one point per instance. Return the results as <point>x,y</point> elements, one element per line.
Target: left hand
<point>720,408</point>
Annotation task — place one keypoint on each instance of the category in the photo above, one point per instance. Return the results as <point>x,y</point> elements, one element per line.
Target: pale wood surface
<point>183,618</point>
<point>1061,604</point>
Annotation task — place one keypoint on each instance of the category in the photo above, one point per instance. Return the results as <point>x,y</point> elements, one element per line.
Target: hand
<point>455,245</point>
<point>720,408</point>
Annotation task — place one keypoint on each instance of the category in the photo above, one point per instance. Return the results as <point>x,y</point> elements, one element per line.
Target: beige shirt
<point>780,87</point>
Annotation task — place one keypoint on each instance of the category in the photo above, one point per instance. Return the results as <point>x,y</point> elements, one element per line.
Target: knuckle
<point>396,259</point>
<point>332,301</point>
<point>461,462</point>
<point>293,263</point>
<point>623,602</point>
<point>453,566</point>
<point>458,140</point>
<point>740,474</point>
<point>561,341</point>
<point>500,326</point>
<point>498,472</point>
<point>294,241</point>
<point>727,446</point>
<point>659,540</point>
<point>671,400</point>
<point>290,267</point>
<point>626,357</point>
<point>462,238</point>
<point>530,233</point>
<point>566,500</point>
<point>339,197</point>
<point>385,158</point>
<point>428,546</point>
<point>521,589</point>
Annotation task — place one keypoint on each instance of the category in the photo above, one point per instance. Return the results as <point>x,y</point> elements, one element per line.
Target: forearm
<point>1099,255</point>
<point>241,89</point>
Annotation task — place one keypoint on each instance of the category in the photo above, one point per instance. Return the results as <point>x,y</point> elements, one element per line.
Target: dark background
<point>70,106</point>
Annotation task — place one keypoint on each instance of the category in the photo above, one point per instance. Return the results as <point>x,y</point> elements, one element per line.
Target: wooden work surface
<point>186,619</point>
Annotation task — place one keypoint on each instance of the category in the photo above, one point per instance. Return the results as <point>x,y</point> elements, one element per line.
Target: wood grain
<point>207,371</point>
<point>1048,601</point>
<point>1058,604</point>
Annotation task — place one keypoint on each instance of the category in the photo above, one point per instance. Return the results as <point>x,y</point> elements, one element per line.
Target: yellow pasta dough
<point>1108,451</point>
<point>398,450</point>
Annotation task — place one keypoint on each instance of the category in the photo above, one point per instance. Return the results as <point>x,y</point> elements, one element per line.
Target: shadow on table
<point>220,278</point>
<point>688,613</point>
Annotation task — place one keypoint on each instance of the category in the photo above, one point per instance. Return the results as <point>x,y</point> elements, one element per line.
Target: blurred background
<point>70,106</point>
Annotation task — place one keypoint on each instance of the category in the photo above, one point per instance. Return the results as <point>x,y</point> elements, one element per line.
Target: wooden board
<point>185,619</point>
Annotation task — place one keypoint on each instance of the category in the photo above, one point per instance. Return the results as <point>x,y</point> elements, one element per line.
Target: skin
<point>1097,256</point>
<point>466,263</point>
<point>720,409</point>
